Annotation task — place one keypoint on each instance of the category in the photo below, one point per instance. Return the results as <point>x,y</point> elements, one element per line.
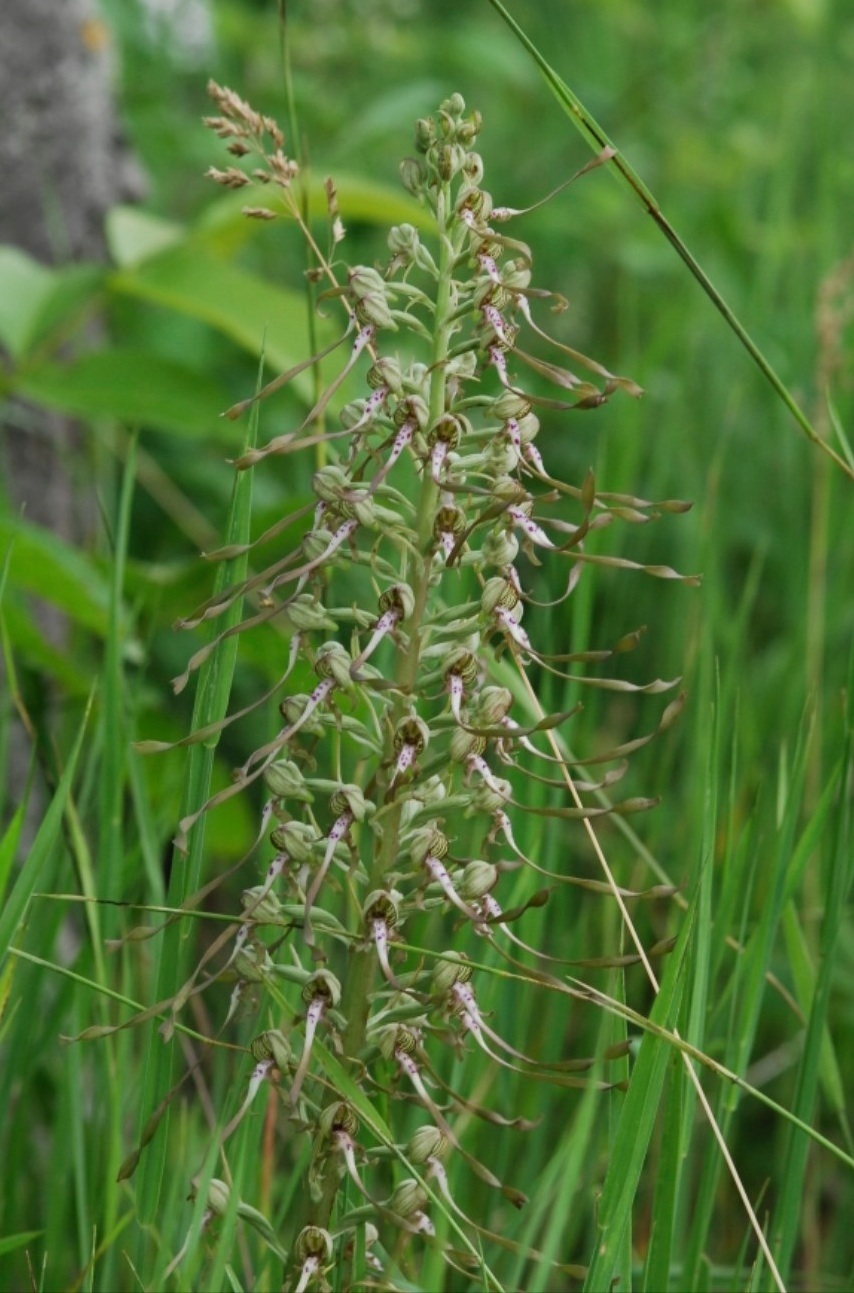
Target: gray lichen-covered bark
<point>61,166</point>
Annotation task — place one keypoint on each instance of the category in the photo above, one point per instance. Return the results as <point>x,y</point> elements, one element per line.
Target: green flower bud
<point>510,405</point>
<point>273,1045</point>
<point>369,294</point>
<point>334,661</point>
<point>452,969</point>
<point>349,798</point>
<point>386,372</point>
<point>266,912</point>
<point>407,1199</point>
<point>411,407</point>
<point>292,709</point>
<point>500,456</point>
<point>465,743</point>
<point>338,1117</point>
<point>428,841</point>
<point>450,160</point>
<point>252,963</point>
<point>330,483</point>
<point>322,984</point>
<point>500,547</point>
<point>498,592</point>
<point>315,543</point>
<point>425,133</point>
<point>427,1142</point>
<point>454,106</point>
<point>218,1196</point>
<point>403,241</point>
<point>381,905</point>
<point>529,425</point>
<point>412,731</point>
<point>412,176</point>
<point>284,780</point>
<point>478,879</point>
<point>486,799</point>
<point>493,704</point>
<point>399,598</point>
<point>312,1241</point>
<point>473,168</point>
<point>297,839</point>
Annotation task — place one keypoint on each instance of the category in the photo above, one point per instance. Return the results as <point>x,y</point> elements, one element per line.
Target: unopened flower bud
<point>488,797</point>
<point>297,839</point>
<point>349,798</point>
<point>463,744</point>
<point>218,1196</point>
<point>266,912</point>
<point>478,878</point>
<point>330,483</point>
<point>305,613</point>
<point>403,240</point>
<point>428,841</point>
<point>425,133</point>
<point>509,404</point>
<point>292,709</point>
<point>500,547</point>
<point>369,294</point>
<point>385,372</point>
<point>334,661</point>
<point>412,176</point>
<point>497,592</point>
<point>452,969</point>
<point>407,1199</point>
<point>427,1142</point>
<point>493,704</point>
<point>450,161</point>
<point>284,780</point>
<point>473,168</point>
<point>252,963</point>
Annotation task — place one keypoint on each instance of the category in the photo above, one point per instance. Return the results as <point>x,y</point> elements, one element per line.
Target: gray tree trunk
<point>61,166</point>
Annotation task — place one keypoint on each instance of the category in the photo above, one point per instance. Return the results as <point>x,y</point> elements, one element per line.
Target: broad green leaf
<point>241,305</point>
<point>42,564</point>
<point>35,300</point>
<point>24,286</point>
<point>134,235</point>
<point>133,386</point>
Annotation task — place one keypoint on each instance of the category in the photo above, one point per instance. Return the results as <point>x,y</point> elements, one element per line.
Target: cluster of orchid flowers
<point>435,487</point>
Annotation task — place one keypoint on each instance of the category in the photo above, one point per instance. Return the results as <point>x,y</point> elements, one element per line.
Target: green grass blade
<point>176,944</point>
<point>636,1123</point>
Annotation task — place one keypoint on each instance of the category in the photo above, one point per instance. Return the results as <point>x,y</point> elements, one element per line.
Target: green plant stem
<point>361,969</point>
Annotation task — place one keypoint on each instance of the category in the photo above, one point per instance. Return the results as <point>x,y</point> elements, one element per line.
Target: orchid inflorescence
<point>393,782</point>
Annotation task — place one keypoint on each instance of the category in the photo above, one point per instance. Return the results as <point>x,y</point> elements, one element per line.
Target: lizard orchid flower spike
<point>395,783</point>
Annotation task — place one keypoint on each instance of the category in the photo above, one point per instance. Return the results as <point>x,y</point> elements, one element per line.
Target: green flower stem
<point>362,967</point>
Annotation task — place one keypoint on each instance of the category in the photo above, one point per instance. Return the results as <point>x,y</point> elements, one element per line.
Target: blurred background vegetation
<point>738,117</point>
